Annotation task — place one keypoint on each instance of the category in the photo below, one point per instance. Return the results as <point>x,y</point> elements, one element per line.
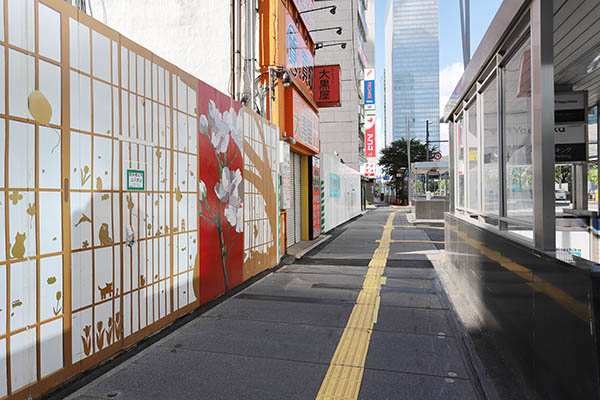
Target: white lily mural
<point>219,128</point>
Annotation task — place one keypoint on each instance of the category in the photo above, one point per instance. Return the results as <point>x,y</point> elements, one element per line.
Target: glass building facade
<point>412,62</point>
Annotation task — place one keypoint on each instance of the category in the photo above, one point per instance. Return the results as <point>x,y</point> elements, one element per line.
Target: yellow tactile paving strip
<point>344,376</point>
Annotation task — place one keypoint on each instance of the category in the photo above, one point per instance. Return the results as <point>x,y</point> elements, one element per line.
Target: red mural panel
<point>220,147</point>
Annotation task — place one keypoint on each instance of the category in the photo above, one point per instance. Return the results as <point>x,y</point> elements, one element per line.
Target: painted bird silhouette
<point>84,218</point>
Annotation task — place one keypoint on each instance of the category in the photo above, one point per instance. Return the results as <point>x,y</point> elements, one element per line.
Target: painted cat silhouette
<point>104,237</point>
<point>106,291</point>
<point>18,249</point>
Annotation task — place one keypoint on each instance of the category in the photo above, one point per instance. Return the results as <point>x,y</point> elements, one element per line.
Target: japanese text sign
<point>370,147</point>
<point>306,123</point>
<point>299,60</point>
<point>135,180</point>
<point>327,85</point>
<point>369,92</point>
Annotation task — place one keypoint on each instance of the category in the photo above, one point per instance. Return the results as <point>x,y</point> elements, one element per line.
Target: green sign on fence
<point>135,179</point>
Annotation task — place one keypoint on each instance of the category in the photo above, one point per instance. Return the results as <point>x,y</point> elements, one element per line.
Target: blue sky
<point>482,13</point>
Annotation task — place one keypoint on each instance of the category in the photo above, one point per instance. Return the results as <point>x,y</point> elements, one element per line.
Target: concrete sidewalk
<point>282,337</point>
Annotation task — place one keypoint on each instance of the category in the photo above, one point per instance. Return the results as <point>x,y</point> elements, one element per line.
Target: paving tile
<point>163,374</point>
<point>333,315</point>
<point>256,338</point>
<point>420,354</point>
<point>412,320</point>
<point>384,385</point>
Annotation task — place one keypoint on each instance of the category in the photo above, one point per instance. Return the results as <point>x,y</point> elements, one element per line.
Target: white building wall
<point>192,34</point>
<point>343,204</point>
<point>340,125</point>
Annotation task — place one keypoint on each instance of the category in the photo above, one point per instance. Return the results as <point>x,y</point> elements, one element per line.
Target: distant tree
<point>593,174</point>
<point>562,174</point>
<point>394,160</point>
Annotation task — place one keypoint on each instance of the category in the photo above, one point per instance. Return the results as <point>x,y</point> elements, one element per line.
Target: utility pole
<point>408,151</point>
<point>427,138</point>
<point>427,154</point>
<point>465,30</point>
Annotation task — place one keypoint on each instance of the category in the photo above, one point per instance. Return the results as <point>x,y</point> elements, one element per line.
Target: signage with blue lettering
<point>369,92</point>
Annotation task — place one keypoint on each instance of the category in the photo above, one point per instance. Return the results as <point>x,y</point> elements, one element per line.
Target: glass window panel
<point>50,86</point>
<point>490,154</point>
<point>140,75</point>
<point>49,34</point>
<point>21,26</point>
<point>161,85</point>
<point>460,167</point>
<point>102,108</point>
<point>517,136</point>
<point>101,56</point>
<point>49,158</point>
<point>472,142</point>
<point>2,155</point>
<point>124,113</point>
<point>21,72</point>
<point>79,36</point>
<point>132,71</point>
<point>21,155</point>
<point>148,78</point>
<point>116,110</point>
<point>1,38</point>
<point>124,68</point>
<point>2,81</point>
<point>81,102</point>
<point>115,64</point>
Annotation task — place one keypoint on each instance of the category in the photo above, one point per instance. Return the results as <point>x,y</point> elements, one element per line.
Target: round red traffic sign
<point>437,156</point>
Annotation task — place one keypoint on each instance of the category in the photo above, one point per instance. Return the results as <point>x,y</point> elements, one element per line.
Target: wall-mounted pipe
<point>237,49</point>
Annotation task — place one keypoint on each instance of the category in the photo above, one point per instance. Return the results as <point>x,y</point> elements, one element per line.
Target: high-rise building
<point>412,69</point>
<point>343,128</point>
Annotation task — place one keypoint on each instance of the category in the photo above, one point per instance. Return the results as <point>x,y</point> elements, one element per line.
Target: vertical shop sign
<point>308,18</point>
<point>327,85</point>
<point>316,197</point>
<point>370,146</point>
<point>299,60</point>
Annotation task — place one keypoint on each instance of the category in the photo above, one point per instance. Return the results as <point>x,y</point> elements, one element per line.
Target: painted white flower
<point>213,115</point>
<point>218,128</point>
<point>230,191</point>
<point>202,190</point>
<point>229,185</point>
<point>235,216</point>
<point>203,124</point>
<point>235,124</point>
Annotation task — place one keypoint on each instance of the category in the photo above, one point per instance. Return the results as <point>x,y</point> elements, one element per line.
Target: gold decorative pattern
<point>18,249</point>
<point>15,197</point>
<point>103,235</point>
<point>84,218</point>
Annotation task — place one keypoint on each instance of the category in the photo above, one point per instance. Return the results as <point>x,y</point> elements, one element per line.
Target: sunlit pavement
<point>285,335</point>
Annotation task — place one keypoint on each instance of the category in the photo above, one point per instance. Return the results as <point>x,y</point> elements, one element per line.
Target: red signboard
<point>305,123</point>
<point>370,146</point>
<point>327,85</point>
<point>299,61</point>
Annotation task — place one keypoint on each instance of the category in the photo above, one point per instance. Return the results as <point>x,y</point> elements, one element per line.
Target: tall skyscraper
<point>412,69</point>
